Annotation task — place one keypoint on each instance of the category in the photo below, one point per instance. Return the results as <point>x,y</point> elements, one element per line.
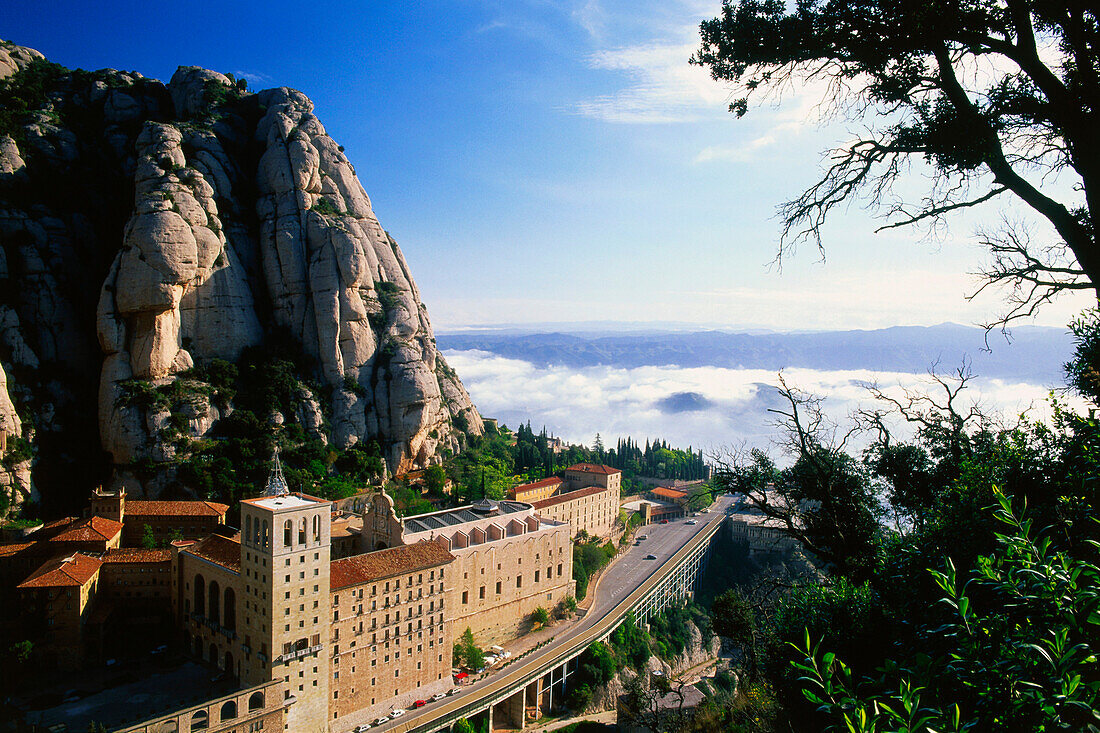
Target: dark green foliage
<point>657,460</point>
<point>540,617</point>
<point>462,726</point>
<point>148,540</point>
<point>325,207</point>
<point>407,500</point>
<point>671,631</point>
<point>19,450</point>
<point>24,92</point>
<point>435,479</point>
<point>388,295</point>
<point>467,653</point>
<point>1013,649</point>
<point>589,556</point>
<point>631,645</point>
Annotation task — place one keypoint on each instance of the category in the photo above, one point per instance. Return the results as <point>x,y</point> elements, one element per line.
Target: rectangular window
<point>519,581</point>
<point>465,596</point>
<point>481,592</point>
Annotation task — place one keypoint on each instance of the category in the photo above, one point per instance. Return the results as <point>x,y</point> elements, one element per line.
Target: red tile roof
<point>14,548</point>
<point>668,493</point>
<point>536,484</point>
<point>382,564</point>
<point>143,508</point>
<point>72,571</point>
<point>570,496</point>
<point>219,550</point>
<point>594,468</point>
<point>137,554</point>
<point>71,529</point>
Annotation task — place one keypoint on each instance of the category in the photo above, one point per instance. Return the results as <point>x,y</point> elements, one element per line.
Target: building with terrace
<point>508,562</point>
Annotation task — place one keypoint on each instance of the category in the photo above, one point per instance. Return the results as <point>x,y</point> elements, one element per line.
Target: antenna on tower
<point>276,484</point>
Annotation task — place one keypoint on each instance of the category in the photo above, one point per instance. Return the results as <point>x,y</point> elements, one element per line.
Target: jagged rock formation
<point>149,229</point>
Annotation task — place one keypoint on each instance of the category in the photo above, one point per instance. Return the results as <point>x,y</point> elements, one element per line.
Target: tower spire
<point>276,484</point>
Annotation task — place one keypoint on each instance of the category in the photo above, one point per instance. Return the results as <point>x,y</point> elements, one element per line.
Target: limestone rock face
<point>179,224</point>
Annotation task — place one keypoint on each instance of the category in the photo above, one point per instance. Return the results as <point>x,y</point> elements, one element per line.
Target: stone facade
<point>259,708</point>
<point>391,634</point>
<point>56,602</point>
<point>592,510</point>
<point>537,491</point>
<point>509,562</point>
<point>763,534</point>
<point>583,475</point>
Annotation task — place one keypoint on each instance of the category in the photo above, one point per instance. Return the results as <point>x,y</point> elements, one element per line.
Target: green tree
<point>462,726</point>
<point>148,539</point>
<point>467,652</point>
<point>733,618</point>
<point>540,616</point>
<point>1015,649</point>
<point>1024,128</point>
<point>435,478</point>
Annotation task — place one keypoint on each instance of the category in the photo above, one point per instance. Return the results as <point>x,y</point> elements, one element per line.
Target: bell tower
<point>285,567</point>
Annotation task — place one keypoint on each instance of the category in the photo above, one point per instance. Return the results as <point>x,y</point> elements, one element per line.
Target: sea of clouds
<point>711,408</point>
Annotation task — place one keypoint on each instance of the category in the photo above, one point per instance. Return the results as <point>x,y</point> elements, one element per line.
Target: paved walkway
<point>608,717</point>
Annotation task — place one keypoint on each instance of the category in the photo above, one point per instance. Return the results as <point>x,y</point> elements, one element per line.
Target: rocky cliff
<point>167,250</point>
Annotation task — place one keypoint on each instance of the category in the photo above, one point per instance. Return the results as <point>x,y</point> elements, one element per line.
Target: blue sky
<point>551,161</point>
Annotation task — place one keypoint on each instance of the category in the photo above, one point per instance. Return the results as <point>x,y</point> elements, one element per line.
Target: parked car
<point>650,557</point>
<point>381,721</point>
<point>396,713</point>
<point>692,521</point>
<point>664,521</point>
<point>453,690</point>
<point>420,703</point>
<point>643,537</point>
<point>438,696</point>
<point>362,728</point>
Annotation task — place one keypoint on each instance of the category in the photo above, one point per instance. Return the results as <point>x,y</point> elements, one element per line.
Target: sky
<point>554,161</point>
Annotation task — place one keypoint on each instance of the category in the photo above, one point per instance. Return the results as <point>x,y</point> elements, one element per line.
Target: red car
<point>420,703</point>
<point>664,521</point>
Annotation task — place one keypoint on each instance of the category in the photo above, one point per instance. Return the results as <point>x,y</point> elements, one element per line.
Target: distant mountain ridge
<point>1035,354</point>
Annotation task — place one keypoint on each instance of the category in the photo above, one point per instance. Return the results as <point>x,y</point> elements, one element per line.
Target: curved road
<point>618,581</point>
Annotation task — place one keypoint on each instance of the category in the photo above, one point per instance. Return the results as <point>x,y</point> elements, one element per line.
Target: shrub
<point>326,207</point>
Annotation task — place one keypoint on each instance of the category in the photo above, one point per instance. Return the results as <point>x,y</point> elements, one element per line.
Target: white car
<point>438,696</point>
<point>395,714</point>
<point>453,691</point>
<point>362,728</point>
<point>692,521</point>
<point>381,721</point>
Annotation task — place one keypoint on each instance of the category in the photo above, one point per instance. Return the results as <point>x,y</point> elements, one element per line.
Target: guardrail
<point>506,686</point>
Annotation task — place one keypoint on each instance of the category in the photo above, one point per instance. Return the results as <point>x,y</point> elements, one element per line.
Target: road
<point>618,581</point>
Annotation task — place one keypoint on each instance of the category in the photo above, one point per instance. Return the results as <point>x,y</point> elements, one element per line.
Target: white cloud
<point>642,402</point>
<point>662,86</point>
<point>734,153</point>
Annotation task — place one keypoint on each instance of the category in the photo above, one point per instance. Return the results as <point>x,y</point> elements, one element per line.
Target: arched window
<point>229,710</point>
<point>214,606</point>
<point>169,727</point>
<point>317,528</point>
<point>213,655</point>
<point>229,610</point>
<point>302,531</point>
<point>248,529</point>
<point>229,668</point>
<point>200,595</point>
<point>256,702</point>
<point>266,538</point>
<point>288,531</point>
<point>200,720</point>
